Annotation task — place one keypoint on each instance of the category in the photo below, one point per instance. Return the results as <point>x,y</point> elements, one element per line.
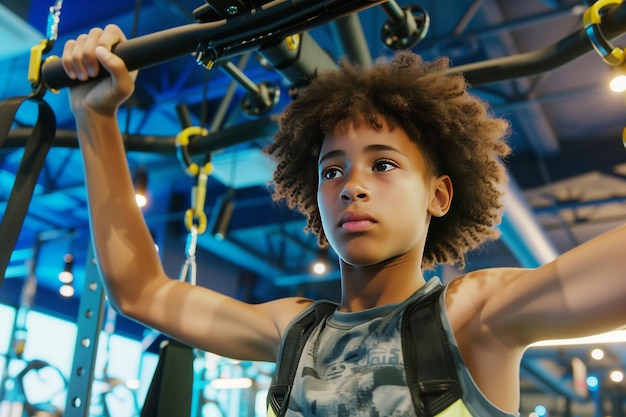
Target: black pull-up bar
<point>566,50</point>
<point>222,39</point>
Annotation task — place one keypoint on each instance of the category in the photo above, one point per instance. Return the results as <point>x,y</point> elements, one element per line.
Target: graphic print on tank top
<point>352,365</point>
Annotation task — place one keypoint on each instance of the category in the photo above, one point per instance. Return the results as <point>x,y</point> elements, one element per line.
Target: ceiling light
<point>617,376</point>
<point>231,383</point>
<point>319,267</point>
<point>618,82</point>
<point>141,187</point>
<point>67,276</point>
<point>67,290</point>
<point>597,354</point>
<point>321,264</point>
<point>617,336</point>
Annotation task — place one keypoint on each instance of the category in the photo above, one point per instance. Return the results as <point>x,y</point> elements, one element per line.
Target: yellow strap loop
<point>182,142</point>
<point>592,19</point>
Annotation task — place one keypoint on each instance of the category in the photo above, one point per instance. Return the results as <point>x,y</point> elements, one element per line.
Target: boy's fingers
<point>91,66</point>
<point>110,36</point>
<point>79,57</point>
<point>66,59</point>
<point>122,79</point>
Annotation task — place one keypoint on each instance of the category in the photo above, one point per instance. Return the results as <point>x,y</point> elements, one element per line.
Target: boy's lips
<point>355,221</point>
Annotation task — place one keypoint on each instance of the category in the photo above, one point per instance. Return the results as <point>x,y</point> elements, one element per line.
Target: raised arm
<point>128,262</point>
<point>582,292</point>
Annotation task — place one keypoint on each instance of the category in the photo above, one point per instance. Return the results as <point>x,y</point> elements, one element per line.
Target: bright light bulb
<point>66,290</point>
<point>618,84</point>
<point>617,376</point>
<point>319,268</point>
<point>616,336</point>
<point>231,383</point>
<point>66,277</point>
<point>597,354</point>
<point>592,383</point>
<point>141,200</point>
<point>133,383</point>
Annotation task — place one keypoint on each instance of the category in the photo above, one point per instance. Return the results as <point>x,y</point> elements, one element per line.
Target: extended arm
<point>136,284</point>
<point>582,292</point>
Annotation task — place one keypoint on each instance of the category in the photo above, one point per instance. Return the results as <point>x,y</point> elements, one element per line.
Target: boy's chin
<point>361,260</point>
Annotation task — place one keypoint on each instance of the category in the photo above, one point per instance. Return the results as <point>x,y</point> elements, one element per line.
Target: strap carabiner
<point>43,47</point>
<point>188,270</point>
<point>592,18</point>
<point>195,217</point>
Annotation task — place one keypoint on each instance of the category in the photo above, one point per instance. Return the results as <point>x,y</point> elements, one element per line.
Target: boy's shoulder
<point>285,310</point>
<point>467,295</point>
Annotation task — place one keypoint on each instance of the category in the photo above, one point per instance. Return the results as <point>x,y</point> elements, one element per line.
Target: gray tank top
<point>352,365</point>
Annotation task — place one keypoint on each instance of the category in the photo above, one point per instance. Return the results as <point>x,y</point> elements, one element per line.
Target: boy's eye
<point>382,166</point>
<point>330,173</point>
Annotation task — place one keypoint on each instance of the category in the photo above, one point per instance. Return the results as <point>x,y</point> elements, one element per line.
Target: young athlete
<point>397,168</point>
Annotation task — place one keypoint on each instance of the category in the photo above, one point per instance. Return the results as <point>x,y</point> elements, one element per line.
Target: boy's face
<point>375,194</point>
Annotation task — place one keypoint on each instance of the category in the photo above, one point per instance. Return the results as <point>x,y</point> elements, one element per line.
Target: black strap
<point>27,175</point>
<point>429,366</point>
<point>285,371</point>
<point>170,391</point>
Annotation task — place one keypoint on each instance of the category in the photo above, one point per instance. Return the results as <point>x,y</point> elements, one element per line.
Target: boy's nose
<point>352,192</point>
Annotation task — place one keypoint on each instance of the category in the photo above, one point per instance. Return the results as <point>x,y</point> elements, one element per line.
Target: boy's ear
<point>442,196</point>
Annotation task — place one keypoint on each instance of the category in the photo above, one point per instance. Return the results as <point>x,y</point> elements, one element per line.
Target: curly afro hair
<point>452,127</point>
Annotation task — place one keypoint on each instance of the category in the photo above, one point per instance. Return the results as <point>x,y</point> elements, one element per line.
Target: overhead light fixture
<point>616,336</point>
<point>67,276</point>
<point>321,264</point>
<point>618,82</point>
<point>221,215</point>
<point>597,354</point>
<point>231,383</point>
<point>141,187</point>
<point>616,376</point>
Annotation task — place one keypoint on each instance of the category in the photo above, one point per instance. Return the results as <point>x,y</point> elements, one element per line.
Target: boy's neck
<point>365,287</point>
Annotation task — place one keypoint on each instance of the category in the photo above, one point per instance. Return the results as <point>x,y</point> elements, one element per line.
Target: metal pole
<point>89,323</point>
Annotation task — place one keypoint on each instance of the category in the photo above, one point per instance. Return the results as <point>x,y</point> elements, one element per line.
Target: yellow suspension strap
<point>612,55</point>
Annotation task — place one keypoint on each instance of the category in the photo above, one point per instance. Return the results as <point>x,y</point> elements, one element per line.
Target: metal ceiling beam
<point>533,369</point>
<point>507,26</point>
<point>237,254</point>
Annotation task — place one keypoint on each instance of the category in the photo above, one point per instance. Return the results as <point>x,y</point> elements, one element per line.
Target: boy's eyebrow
<point>367,149</point>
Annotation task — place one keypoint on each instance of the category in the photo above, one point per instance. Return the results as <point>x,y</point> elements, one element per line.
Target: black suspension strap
<point>431,372</point>
<point>170,391</point>
<point>32,162</point>
<point>36,148</point>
